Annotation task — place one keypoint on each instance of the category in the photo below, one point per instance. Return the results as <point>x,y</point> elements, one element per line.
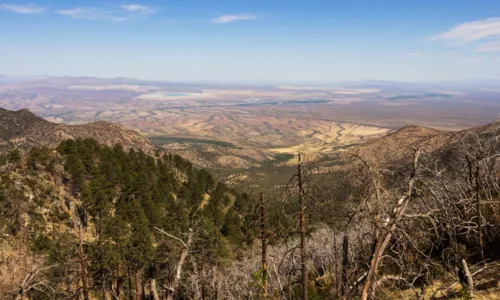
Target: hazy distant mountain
<point>11,79</point>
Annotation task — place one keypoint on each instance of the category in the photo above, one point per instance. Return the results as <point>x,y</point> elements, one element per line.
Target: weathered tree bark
<point>468,277</point>
<point>216,294</point>
<point>479,215</point>
<point>203,292</point>
<point>175,282</point>
<point>385,235</point>
<point>22,288</point>
<point>154,290</point>
<point>118,283</point>
<point>303,255</point>
<point>130,294</point>
<point>345,266</point>
<point>103,287</point>
<point>263,238</point>
<point>138,286</point>
<point>83,265</point>
<point>27,284</point>
<point>337,280</point>
<point>214,278</point>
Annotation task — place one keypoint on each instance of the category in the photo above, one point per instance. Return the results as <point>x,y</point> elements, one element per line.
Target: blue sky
<point>253,40</point>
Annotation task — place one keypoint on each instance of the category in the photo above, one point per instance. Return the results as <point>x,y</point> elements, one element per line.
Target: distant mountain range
<point>9,79</point>
<point>363,83</point>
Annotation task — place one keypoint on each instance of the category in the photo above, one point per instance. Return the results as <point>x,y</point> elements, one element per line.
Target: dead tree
<point>466,278</point>
<point>303,254</point>
<point>171,290</point>
<point>385,233</point>
<point>302,232</point>
<point>263,238</point>
<point>345,266</point>
<point>154,290</point>
<point>82,259</point>
<point>479,152</point>
<point>29,283</point>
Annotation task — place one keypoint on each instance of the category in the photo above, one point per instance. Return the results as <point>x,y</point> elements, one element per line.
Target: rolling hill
<point>23,130</point>
<point>400,144</point>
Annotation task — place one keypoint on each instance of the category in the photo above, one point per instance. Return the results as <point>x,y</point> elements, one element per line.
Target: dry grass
<point>255,127</point>
<point>259,133</point>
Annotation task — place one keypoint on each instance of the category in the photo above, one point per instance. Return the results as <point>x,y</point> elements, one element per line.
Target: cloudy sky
<point>253,40</point>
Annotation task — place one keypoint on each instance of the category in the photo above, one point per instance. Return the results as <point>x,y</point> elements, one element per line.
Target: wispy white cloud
<point>471,31</point>
<point>489,47</point>
<point>123,13</point>
<point>84,13</point>
<point>233,18</point>
<point>22,9</point>
<point>483,35</point>
<point>415,54</point>
<point>137,8</point>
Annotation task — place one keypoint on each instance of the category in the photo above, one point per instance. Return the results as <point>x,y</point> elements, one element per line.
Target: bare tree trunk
<point>302,232</point>
<point>214,278</point>
<point>103,287</point>
<point>203,292</point>
<point>477,189</point>
<point>479,215</point>
<point>180,264</point>
<point>345,266</point>
<point>336,278</point>
<point>216,294</point>
<point>263,238</point>
<point>26,286</point>
<point>118,283</point>
<point>468,278</point>
<point>138,286</point>
<point>83,267</point>
<point>22,288</point>
<point>130,294</point>
<point>154,290</point>
<point>53,228</point>
<point>385,235</point>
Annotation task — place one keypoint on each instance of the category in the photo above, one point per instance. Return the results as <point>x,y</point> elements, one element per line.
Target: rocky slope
<point>22,129</point>
<point>400,144</point>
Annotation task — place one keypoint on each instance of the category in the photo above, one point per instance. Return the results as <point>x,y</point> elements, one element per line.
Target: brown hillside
<point>399,145</point>
<point>22,129</point>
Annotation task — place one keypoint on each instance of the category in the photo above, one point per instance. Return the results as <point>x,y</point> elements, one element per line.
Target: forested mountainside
<point>87,220</point>
<point>412,215</point>
<point>23,130</point>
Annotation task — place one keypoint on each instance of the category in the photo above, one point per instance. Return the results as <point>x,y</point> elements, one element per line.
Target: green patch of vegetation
<point>280,158</point>
<point>165,140</point>
<point>13,156</point>
<point>125,196</point>
<point>312,101</point>
<point>423,96</point>
<point>309,101</point>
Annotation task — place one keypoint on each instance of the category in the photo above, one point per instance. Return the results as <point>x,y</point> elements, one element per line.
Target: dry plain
<point>221,126</point>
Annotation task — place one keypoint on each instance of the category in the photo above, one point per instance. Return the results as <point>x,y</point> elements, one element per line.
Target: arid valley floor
<point>248,127</point>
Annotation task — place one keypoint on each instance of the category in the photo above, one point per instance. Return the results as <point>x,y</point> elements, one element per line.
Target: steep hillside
<point>23,130</point>
<point>103,208</point>
<point>399,145</point>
